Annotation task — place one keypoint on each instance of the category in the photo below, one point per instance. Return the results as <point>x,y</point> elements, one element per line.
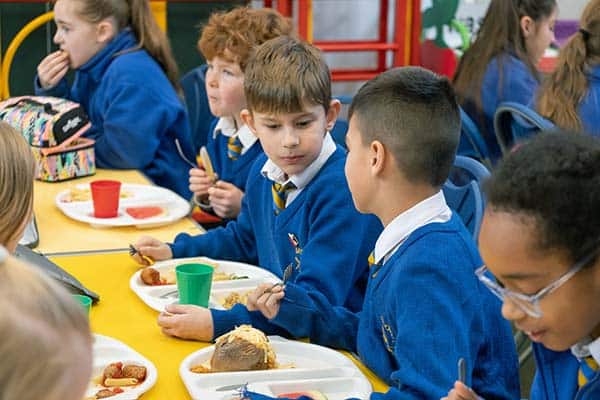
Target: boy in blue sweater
<point>226,43</point>
<point>544,204</point>
<point>297,214</point>
<point>424,307</point>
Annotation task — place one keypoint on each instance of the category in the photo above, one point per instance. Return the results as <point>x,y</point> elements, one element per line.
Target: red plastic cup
<point>105,196</point>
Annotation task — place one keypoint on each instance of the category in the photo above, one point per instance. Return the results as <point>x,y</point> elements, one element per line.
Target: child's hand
<point>461,392</point>
<point>53,68</point>
<point>187,322</point>
<point>153,248</point>
<point>225,199</point>
<point>266,298</point>
<point>199,182</point>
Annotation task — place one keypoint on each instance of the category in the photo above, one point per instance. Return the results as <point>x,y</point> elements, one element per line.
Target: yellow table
<point>61,234</point>
<point>123,316</point>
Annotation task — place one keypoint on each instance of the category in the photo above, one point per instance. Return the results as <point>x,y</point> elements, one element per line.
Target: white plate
<point>315,368</point>
<point>151,295</point>
<point>108,350</point>
<point>137,196</point>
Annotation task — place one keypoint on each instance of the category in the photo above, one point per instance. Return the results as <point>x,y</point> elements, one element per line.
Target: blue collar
<point>96,66</point>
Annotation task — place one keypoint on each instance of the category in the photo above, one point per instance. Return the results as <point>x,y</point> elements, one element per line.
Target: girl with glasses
<point>540,240</point>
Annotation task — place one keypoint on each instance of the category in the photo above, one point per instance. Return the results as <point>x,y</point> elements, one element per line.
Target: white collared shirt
<point>226,127</point>
<point>432,209</point>
<point>274,173</point>
<point>587,347</point>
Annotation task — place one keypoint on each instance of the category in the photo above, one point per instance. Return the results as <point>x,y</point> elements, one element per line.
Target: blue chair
<point>514,122</point>
<point>472,143</point>
<point>200,117</point>
<point>463,192</point>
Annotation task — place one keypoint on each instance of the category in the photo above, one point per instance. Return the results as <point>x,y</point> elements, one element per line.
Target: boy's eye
<point>272,126</point>
<point>303,124</point>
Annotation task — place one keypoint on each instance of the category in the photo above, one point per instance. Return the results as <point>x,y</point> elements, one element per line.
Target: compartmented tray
<point>246,278</point>
<point>108,350</point>
<point>76,203</point>
<point>302,367</point>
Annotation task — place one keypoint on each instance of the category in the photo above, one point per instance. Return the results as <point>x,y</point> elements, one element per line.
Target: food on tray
<point>243,349</point>
<point>311,394</point>
<point>145,212</point>
<point>85,194</point>
<point>234,298</point>
<point>224,276</point>
<point>153,277</point>
<point>115,376</point>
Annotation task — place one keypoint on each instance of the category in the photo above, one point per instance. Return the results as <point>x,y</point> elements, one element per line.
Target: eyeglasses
<point>530,304</point>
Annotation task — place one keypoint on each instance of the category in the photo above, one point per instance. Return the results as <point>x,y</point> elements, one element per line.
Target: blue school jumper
<point>135,113</point>
<point>589,109</point>
<point>320,234</point>
<point>556,377</point>
<point>506,78</point>
<point>424,309</point>
<point>232,171</point>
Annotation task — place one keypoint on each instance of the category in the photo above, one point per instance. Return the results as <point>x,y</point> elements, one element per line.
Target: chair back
<point>196,101</point>
<point>472,143</point>
<point>514,122</point>
<point>463,192</point>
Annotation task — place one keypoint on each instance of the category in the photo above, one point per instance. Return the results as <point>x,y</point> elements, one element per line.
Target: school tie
<point>587,369</point>
<point>280,193</point>
<point>373,266</point>
<point>234,147</point>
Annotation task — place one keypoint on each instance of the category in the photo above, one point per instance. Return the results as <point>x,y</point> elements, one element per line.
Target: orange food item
<point>144,212</point>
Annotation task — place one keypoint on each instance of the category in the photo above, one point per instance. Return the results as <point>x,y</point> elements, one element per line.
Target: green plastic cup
<point>193,283</point>
<point>85,301</point>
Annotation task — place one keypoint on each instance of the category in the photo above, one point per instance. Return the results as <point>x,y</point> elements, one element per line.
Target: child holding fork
<point>226,43</point>
<point>297,219</point>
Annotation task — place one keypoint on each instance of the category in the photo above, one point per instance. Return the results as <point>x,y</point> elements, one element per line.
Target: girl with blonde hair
<point>126,80</point>
<point>45,339</point>
<point>570,97</point>
<point>17,172</point>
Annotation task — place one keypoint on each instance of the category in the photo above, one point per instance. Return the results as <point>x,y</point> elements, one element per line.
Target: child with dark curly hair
<point>541,239</point>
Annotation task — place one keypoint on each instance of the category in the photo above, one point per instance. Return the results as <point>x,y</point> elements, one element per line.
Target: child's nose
<point>511,311</point>
<point>290,138</point>
<point>56,39</point>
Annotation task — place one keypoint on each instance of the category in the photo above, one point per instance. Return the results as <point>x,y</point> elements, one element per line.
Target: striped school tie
<point>234,147</point>
<point>587,369</point>
<point>280,193</point>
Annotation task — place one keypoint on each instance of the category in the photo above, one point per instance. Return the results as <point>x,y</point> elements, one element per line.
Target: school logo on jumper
<point>388,335</point>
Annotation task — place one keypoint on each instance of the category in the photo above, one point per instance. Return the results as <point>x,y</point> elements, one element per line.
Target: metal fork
<point>171,294</point>
<point>286,275</point>
<point>182,155</point>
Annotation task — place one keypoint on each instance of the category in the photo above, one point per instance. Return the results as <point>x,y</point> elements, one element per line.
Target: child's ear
<point>105,31</point>
<point>377,157</point>
<point>248,119</point>
<point>527,25</point>
<point>334,110</point>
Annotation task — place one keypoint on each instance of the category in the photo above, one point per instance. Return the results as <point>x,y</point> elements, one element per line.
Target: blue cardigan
<point>136,114</point>
<point>320,234</point>
<point>506,78</point>
<point>232,171</point>
<point>424,309</point>
<point>556,377</point>
<point>589,109</point>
